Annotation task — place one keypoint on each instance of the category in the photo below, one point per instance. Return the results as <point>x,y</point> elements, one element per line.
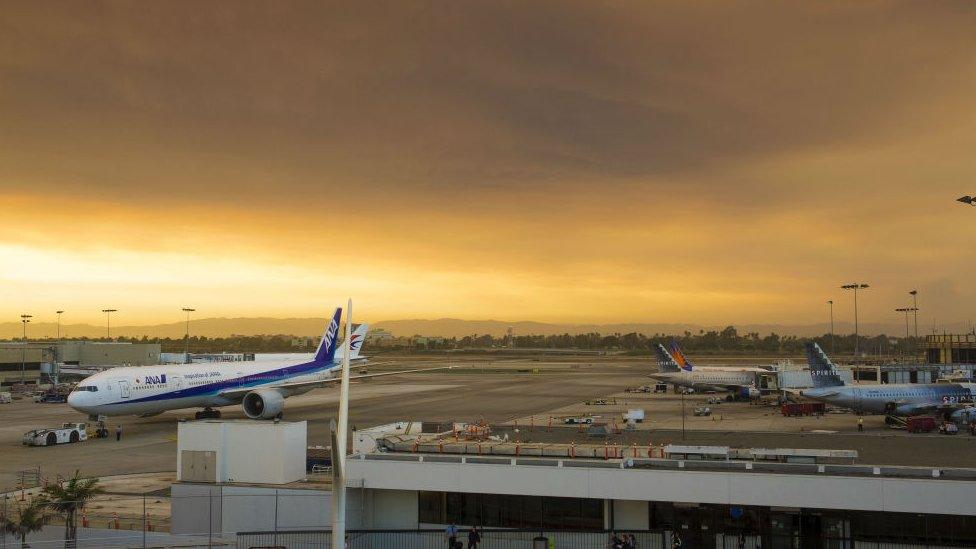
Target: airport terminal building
<point>705,504</point>
<point>950,349</point>
<point>700,497</point>
<point>37,357</point>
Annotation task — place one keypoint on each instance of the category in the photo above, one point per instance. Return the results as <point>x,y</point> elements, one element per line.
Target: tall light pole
<point>186,348</point>
<point>108,322</point>
<point>855,286</point>
<point>914,294</point>
<point>24,319</point>
<point>906,310</point>
<point>830,306</point>
<point>57,357</point>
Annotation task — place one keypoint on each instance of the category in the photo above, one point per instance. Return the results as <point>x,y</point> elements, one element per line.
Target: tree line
<point>728,340</point>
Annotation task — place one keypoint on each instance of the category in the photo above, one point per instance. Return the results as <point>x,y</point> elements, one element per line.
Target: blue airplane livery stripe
<point>237,382</point>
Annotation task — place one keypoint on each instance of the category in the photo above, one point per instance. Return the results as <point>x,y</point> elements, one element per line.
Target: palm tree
<point>67,498</point>
<point>27,519</point>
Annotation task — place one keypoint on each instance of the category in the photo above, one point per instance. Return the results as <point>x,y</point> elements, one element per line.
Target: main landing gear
<point>208,413</point>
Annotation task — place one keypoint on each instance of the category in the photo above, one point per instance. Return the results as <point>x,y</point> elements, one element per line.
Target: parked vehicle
<point>67,433</point>
<point>706,411</point>
<point>578,420</point>
<point>634,416</point>
<point>661,388</point>
<point>920,424</point>
<point>949,428</point>
<point>51,398</point>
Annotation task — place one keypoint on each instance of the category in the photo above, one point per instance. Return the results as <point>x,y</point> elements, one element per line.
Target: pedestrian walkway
<point>52,537</point>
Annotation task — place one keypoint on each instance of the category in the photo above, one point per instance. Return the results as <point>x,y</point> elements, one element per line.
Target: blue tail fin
<point>822,370</point>
<point>327,347</point>
<point>665,361</point>
<point>680,357</point>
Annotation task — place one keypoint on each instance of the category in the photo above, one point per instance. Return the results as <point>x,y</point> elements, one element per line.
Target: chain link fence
<point>437,539</point>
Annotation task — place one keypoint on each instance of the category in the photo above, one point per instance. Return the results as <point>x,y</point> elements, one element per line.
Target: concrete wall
<point>822,491</point>
<point>630,515</point>
<point>236,508</point>
<point>393,509</point>
<point>262,452</point>
<point>260,508</point>
<point>195,508</point>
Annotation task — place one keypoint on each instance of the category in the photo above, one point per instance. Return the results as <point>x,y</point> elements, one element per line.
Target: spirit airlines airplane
<point>260,387</point>
<point>954,400</point>
<point>677,370</point>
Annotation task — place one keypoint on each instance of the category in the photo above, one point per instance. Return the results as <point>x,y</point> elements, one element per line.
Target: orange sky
<point>555,161</point>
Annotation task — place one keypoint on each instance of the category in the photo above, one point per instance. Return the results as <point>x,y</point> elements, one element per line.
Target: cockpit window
<point>89,388</point>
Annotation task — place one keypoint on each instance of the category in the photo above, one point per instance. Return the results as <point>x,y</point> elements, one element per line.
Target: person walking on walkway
<point>118,432</point>
<point>474,538</point>
<point>451,533</point>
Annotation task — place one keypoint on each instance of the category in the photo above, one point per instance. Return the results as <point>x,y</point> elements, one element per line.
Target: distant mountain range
<point>445,327</point>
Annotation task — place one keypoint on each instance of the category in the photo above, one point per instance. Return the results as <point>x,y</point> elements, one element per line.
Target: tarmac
<point>494,389</point>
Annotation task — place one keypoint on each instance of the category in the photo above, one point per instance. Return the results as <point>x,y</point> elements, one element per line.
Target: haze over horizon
<point>565,162</point>
<point>443,327</point>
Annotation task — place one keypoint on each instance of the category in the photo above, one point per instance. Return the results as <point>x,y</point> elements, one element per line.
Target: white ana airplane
<point>260,387</point>
<point>677,370</point>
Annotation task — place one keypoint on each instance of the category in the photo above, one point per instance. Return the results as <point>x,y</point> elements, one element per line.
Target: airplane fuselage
<point>146,390</point>
<point>709,380</point>
<point>898,399</point>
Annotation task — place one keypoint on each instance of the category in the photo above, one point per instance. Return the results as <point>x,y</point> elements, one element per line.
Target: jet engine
<point>903,409</point>
<point>966,415</point>
<point>263,404</point>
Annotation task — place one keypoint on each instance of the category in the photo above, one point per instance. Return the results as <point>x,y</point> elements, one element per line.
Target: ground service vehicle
<point>921,424</point>
<point>51,398</point>
<point>68,432</point>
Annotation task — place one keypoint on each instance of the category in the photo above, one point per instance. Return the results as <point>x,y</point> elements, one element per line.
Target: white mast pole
<point>339,453</point>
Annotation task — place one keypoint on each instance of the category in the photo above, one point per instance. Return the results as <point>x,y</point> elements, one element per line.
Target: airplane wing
<point>932,407</point>
<point>917,409</point>
<point>241,391</point>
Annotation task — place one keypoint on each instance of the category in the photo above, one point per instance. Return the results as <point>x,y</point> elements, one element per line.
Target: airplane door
<point>178,383</point>
<point>124,388</point>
